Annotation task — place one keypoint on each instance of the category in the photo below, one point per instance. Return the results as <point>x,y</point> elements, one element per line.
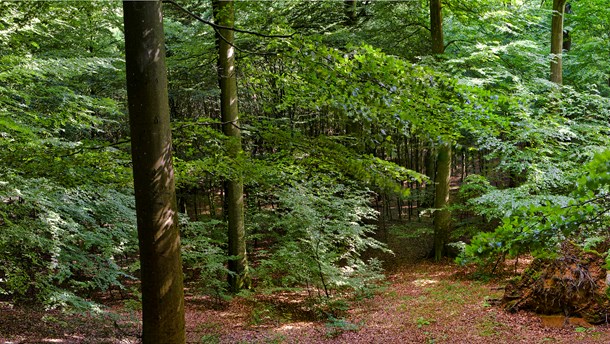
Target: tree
<point>436,27</point>
<point>557,40</point>
<point>159,240</point>
<point>350,10</point>
<point>442,216</point>
<point>224,14</point>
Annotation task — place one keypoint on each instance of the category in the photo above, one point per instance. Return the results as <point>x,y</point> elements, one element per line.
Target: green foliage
<point>338,103</point>
<point>539,226</point>
<point>474,186</point>
<point>319,237</point>
<point>337,326</point>
<point>421,322</point>
<point>61,243</point>
<point>204,257</point>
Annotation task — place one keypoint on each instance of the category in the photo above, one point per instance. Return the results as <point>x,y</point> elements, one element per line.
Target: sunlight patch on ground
<point>441,273</point>
<point>294,326</point>
<point>424,282</point>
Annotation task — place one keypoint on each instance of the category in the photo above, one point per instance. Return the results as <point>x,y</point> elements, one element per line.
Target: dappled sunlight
<point>424,282</point>
<point>295,326</point>
<point>313,215</point>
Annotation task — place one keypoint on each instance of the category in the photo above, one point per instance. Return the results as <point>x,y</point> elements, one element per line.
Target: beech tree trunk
<point>442,217</point>
<point>224,14</point>
<point>349,9</point>
<point>436,27</point>
<point>557,41</point>
<point>151,147</point>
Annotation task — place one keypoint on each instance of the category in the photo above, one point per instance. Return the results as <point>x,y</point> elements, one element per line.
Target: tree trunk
<point>557,41</point>
<point>442,217</point>
<point>349,9</point>
<point>224,14</point>
<point>159,240</point>
<point>436,27</point>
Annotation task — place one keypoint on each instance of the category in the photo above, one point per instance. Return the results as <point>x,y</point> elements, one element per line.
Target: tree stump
<point>574,284</point>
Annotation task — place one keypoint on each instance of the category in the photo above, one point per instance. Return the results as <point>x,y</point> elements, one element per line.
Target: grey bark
<point>224,14</point>
<point>159,240</point>
<point>557,41</point>
<point>442,216</point>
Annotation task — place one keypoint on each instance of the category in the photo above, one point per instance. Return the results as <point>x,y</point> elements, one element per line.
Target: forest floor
<point>422,302</point>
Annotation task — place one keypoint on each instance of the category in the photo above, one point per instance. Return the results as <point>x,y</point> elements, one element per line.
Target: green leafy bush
<point>541,224</point>
<point>204,256</point>
<point>59,244</point>
<point>319,235</point>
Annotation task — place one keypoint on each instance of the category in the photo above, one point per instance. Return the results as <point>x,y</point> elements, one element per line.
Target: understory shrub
<point>204,256</point>
<point>318,233</point>
<point>543,223</point>
<point>59,244</point>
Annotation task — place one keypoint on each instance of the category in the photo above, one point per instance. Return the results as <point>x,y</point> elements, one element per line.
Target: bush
<point>59,244</point>
<point>204,256</point>
<point>541,225</point>
<point>319,235</point>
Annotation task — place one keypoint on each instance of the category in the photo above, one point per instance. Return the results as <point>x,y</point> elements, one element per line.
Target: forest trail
<point>423,302</point>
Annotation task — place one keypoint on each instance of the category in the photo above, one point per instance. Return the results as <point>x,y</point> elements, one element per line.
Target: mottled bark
<point>159,240</point>
<point>436,27</point>
<point>442,216</point>
<point>557,41</point>
<point>224,14</point>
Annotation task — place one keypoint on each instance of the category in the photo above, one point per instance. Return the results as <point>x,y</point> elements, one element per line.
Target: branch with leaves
<point>216,27</point>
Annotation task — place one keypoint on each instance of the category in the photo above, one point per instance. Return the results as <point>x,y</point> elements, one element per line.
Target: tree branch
<point>78,151</point>
<point>216,26</point>
<point>455,41</point>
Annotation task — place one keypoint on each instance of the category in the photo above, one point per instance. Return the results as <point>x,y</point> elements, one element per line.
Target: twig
<point>216,26</point>
<point>78,151</point>
<point>455,41</point>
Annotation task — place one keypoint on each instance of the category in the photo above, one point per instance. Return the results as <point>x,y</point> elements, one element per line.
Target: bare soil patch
<point>422,303</point>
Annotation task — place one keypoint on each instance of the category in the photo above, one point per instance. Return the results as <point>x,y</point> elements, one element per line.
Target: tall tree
<point>436,27</point>
<point>442,217</point>
<point>224,15</point>
<point>349,8</point>
<point>557,41</point>
<point>159,240</point>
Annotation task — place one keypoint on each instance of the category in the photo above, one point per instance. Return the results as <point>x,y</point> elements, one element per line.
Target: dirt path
<point>423,303</point>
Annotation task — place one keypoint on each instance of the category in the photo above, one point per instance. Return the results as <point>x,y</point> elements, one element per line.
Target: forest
<point>296,171</point>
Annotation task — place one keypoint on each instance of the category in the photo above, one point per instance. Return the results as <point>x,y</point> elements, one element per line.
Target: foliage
<point>337,326</point>
<point>62,243</point>
<point>540,226</point>
<point>326,114</point>
<point>204,257</point>
<point>319,237</point>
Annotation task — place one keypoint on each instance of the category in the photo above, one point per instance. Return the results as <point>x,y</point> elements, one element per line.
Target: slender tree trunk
<point>224,14</point>
<point>159,240</point>
<point>557,41</point>
<point>436,27</point>
<point>349,9</point>
<point>430,165</point>
<point>442,217</point>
